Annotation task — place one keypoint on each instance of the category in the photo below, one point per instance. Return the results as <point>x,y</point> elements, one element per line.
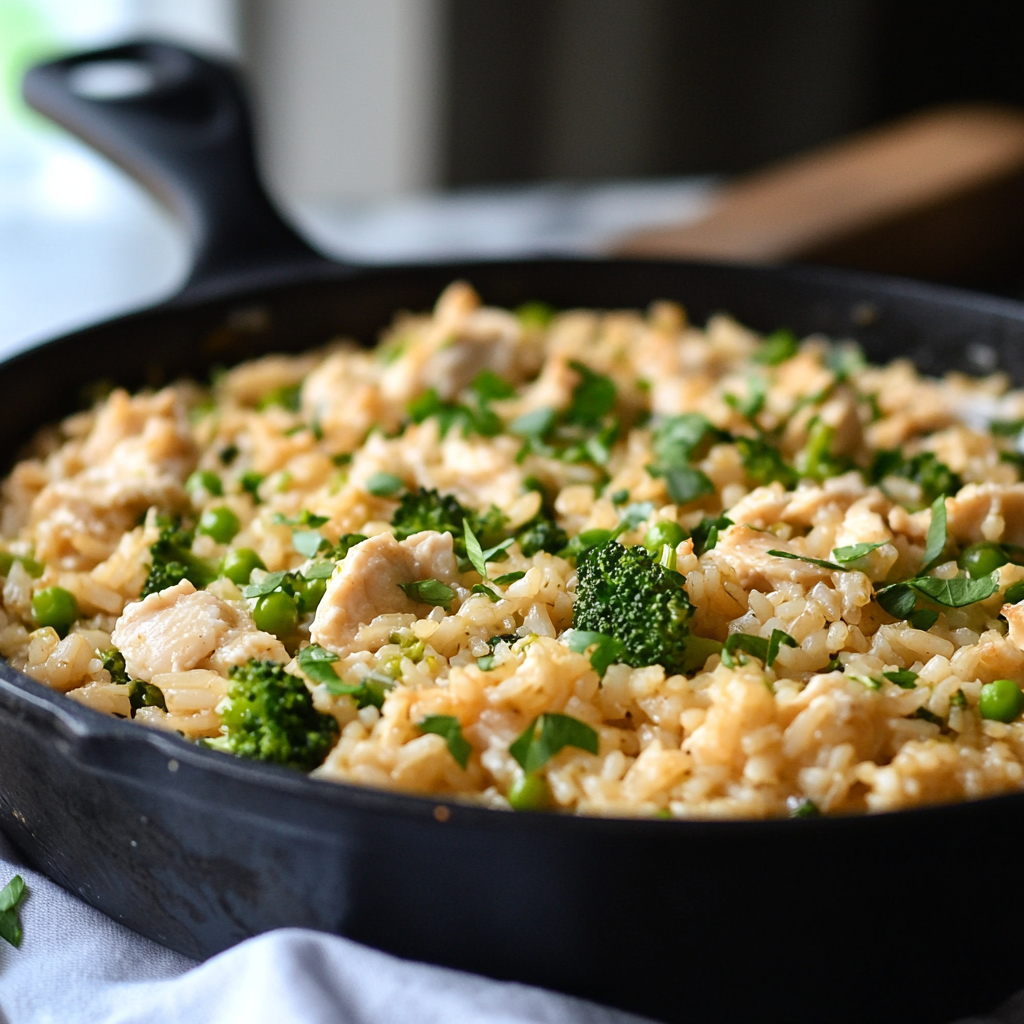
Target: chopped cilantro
<point>606,649</point>
<point>855,552</point>
<point>448,726</point>
<point>820,562</point>
<point>286,396</point>
<point>432,592</point>
<point>705,533</point>
<point>903,678</point>
<point>779,346</point>
<point>383,485</point>
<point>535,747</point>
<point>932,476</point>
<point>764,463</point>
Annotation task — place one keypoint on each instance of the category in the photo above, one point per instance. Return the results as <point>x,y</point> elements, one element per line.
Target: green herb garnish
<point>448,726</point>
<point>432,592</point>
<point>536,746</point>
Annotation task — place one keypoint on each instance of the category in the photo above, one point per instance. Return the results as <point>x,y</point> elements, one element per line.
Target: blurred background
<point>407,129</point>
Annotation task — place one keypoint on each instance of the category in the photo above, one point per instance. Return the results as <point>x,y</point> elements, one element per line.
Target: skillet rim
<point>82,726</point>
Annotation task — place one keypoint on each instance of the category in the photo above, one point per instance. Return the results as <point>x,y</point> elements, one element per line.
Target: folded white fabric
<point>76,966</point>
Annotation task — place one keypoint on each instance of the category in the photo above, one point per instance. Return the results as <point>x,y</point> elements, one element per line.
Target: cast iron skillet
<point>911,916</point>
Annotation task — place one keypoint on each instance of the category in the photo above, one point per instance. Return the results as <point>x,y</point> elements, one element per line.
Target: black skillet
<point>912,916</point>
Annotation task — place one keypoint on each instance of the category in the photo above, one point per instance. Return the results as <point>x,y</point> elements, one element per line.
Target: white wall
<point>347,95</point>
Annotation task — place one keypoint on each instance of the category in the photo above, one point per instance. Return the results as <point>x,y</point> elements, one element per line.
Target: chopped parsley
<point>606,649</point>
<point>316,664</point>
<point>448,726</point>
<point>548,734</point>
<point>432,592</point>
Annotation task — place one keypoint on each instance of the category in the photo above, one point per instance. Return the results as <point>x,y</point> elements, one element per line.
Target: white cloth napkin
<point>76,966</point>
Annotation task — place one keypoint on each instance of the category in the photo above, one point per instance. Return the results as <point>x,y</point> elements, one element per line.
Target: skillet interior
<point>792,920</point>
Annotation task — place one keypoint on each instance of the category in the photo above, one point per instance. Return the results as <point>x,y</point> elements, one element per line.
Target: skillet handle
<point>179,124</point>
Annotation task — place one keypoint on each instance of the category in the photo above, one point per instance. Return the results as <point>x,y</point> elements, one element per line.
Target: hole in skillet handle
<point>111,79</point>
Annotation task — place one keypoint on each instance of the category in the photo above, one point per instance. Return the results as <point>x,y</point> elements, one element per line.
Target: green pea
<point>276,613</point>
<point>239,564</point>
<point>310,593</point>
<point>204,480</point>
<point>661,533</point>
<point>56,607</point>
<point>982,558</point>
<point>529,793</point>
<point>1001,700</point>
<point>219,523</point>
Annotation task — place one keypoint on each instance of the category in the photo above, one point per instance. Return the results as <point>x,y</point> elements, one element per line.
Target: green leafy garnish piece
<point>486,663</point>
<point>705,533</point>
<point>764,463</point>
<point>10,896</point>
<point>779,346</point>
<point>309,542</point>
<point>936,542</point>
<point>304,520</point>
<point>606,649</point>
<point>820,562</point>
<point>319,571</point>
<point>383,485</point>
<point>448,726</point>
<point>271,582</point>
<point>932,476</point>
<point>546,735</point>
<point>535,315</point>
<point>923,618</point>
<point>1014,592</point>
<point>250,482</point>
<point>737,642</point>
<point>854,552</point>
<point>677,442</point>
<point>753,403</point>
<point>775,641</point>
<point>957,592</point>
<point>903,678</point>
<point>477,556</point>
<point>592,398</point>
<point>958,700</point>
<point>509,577</point>
<point>805,808</point>
<point>928,716</point>
<point>432,592</point>
<point>316,663</point>
<point>685,484</point>
<point>766,650</point>
<point>286,396</point>
<point>488,592</point>
<point>869,681</point>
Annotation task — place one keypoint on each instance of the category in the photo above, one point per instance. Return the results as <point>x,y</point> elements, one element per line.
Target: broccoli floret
<point>541,534</point>
<point>140,694</point>
<point>429,510</point>
<point>268,715</point>
<point>625,593</point>
<point>171,561</point>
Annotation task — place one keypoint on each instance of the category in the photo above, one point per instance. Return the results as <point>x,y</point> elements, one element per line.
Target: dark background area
<point>588,89</point>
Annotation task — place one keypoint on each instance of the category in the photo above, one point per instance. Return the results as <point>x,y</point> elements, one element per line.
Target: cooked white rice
<point>822,729</point>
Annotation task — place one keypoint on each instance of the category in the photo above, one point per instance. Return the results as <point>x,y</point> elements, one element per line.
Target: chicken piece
<point>182,628</point>
<point>746,552</point>
<point>368,583</point>
<point>135,457</point>
<point>987,512</point>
